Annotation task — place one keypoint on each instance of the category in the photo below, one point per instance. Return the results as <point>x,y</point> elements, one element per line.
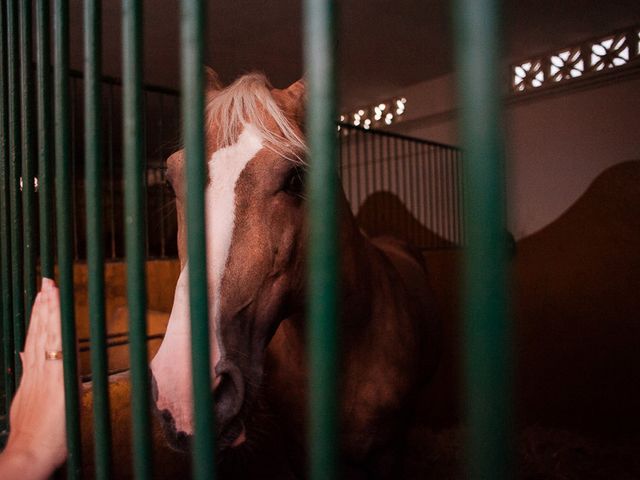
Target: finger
<point>47,284</point>
<point>53,326</point>
<point>35,327</point>
<point>41,327</point>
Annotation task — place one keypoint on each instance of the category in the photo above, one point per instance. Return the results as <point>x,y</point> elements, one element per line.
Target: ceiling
<point>383,44</point>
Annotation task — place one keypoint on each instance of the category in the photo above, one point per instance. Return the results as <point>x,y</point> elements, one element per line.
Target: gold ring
<point>53,354</point>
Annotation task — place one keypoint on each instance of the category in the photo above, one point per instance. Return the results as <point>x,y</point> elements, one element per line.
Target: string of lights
<point>380,114</point>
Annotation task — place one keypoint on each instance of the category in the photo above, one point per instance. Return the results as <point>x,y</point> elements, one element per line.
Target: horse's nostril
<point>228,392</point>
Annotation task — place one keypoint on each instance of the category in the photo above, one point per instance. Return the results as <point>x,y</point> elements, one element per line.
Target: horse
<point>256,237</point>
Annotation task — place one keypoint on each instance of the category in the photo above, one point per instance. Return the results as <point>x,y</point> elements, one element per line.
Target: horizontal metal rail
<point>147,87</point>
<point>119,340</point>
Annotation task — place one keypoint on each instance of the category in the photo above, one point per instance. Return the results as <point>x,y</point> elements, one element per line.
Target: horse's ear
<point>293,99</point>
<point>212,81</point>
<point>297,90</point>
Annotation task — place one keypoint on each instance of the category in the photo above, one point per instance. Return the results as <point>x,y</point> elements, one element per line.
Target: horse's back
<point>409,264</point>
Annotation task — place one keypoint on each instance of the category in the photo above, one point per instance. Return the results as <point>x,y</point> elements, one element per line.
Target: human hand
<point>37,416</point>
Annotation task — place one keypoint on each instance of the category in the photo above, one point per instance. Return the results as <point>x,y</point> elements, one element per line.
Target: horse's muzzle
<point>229,398</point>
<point>177,440</point>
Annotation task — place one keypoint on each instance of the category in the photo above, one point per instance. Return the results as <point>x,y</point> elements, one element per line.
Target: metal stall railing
<point>27,184</point>
<point>487,360</point>
<point>64,229</point>
<point>403,186</point>
<point>192,79</point>
<point>15,206</point>
<point>5,248</point>
<point>161,122</point>
<point>134,233</point>
<point>319,21</point>
<point>95,247</point>
<point>487,338</point>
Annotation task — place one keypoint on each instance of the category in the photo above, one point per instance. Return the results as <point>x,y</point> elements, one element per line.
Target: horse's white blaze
<point>171,366</point>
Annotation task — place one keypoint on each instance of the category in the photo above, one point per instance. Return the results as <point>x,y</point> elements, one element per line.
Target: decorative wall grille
<point>595,56</point>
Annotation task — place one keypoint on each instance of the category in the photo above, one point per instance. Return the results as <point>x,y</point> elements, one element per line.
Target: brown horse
<point>256,237</point>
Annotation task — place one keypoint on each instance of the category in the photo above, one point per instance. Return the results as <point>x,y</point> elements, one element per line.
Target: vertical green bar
<point>45,130</point>
<point>135,233</point>
<point>192,57</point>
<point>487,359</point>
<point>5,247</point>
<point>95,248</point>
<point>15,209</point>
<point>318,25</point>
<point>64,214</point>
<point>28,159</point>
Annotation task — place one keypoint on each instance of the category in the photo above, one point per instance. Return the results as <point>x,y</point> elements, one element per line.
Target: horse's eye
<point>294,184</point>
<point>169,187</point>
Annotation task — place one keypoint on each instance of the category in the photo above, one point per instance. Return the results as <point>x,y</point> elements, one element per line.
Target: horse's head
<point>255,236</point>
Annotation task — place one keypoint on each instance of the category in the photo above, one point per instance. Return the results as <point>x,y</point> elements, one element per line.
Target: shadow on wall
<point>383,213</point>
<point>576,313</point>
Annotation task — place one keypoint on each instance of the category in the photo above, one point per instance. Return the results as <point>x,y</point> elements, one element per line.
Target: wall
<point>558,141</point>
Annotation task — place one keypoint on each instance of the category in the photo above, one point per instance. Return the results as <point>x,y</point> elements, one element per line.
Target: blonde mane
<point>248,100</point>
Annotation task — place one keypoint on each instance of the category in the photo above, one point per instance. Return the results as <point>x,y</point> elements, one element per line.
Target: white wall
<point>558,142</point>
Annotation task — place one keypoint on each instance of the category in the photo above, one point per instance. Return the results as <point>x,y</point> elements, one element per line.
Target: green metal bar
<point>45,142</point>
<point>134,178</point>
<point>95,247</point>
<point>64,215</point>
<point>28,159</point>
<point>487,359</point>
<point>318,26</point>
<point>5,246</point>
<point>192,57</point>
<point>13,47</point>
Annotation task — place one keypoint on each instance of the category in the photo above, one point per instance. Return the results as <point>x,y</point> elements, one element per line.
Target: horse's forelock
<point>249,100</point>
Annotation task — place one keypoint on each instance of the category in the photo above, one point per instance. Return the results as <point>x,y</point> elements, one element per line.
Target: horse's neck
<point>364,285</point>
<point>364,308</point>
